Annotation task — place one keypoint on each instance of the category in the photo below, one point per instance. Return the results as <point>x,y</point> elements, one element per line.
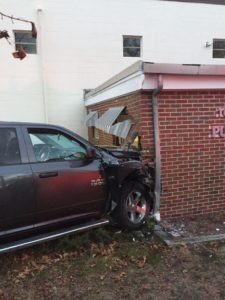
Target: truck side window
<point>9,147</point>
<point>53,145</point>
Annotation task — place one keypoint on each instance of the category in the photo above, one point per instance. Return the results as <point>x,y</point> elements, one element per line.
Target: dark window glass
<point>132,52</point>
<point>9,147</point>
<point>218,53</point>
<point>25,39</point>
<point>52,145</point>
<point>132,42</point>
<point>29,49</point>
<point>218,48</point>
<point>131,46</point>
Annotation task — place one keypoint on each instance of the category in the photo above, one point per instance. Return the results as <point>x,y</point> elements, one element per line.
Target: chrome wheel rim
<point>136,206</point>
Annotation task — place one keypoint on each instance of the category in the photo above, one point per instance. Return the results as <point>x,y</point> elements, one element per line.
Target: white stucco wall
<point>80,46</point>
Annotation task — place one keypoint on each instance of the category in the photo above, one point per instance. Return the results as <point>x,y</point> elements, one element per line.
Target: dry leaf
<point>146,286</point>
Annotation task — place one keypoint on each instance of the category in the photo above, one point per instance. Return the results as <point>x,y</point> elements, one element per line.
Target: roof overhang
<point>183,69</point>
<point>217,2</point>
<point>143,76</point>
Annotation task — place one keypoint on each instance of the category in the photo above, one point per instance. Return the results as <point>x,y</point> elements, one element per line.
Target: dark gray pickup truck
<point>53,182</point>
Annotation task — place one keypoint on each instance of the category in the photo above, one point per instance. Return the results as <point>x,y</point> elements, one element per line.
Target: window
<point>132,46</point>
<point>9,147</point>
<point>218,48</point>
<point>52,145</point>
<point>25,39</point>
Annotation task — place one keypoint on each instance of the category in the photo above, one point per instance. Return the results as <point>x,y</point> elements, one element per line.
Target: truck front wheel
<point>133,207</point>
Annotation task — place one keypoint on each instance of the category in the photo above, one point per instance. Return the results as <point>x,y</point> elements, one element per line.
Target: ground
<point>196,225</point>
<point>113,264</point>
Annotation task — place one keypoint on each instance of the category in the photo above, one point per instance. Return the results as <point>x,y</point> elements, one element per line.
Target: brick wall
<point>193,164</point>
<point>138,106</point>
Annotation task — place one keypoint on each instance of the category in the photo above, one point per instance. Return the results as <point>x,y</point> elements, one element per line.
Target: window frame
<point>30,147</point>
<point>17,44</point>
<point>133,47</point>
<point>218,49</point>
<point>22,147</point>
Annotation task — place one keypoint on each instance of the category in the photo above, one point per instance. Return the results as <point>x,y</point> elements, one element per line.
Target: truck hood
<point>122,154</point>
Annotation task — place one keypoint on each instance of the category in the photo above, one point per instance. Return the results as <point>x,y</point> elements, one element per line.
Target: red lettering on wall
<point>220,112</point>
<point>218,130</point>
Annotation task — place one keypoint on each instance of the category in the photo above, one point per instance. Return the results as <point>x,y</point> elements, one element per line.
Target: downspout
<point>42,66</point>
<point>157,190</point>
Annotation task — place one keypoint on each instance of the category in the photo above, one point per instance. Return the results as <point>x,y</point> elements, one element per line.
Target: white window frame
<point>133,36</point>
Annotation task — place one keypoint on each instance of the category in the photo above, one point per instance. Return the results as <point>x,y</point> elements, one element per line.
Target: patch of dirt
<point>195,226</point>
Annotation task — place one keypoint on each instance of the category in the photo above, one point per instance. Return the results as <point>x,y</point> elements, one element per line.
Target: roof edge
<point>214,2</point>
<point>183,69</point>
<point>136,67</point>
<point>158,68</point>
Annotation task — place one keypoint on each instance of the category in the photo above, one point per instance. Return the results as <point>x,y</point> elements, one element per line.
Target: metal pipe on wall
<point>42,67</point>
<point>157,190</point>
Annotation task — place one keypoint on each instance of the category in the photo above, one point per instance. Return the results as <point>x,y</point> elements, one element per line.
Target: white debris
<point>157,216</point>
<point>174,233</point>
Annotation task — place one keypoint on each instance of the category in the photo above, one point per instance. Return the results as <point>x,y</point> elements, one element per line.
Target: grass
<point>103,249</point>
<point>154,258</point>
<point>97,252</point>
<point>102,235</point>
<point>75,242</point>
<point>108,264</point>
<point>150,223</point>
<point>91,265</point>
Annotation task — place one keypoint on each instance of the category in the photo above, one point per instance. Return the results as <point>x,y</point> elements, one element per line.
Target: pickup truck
<point>53,182</point>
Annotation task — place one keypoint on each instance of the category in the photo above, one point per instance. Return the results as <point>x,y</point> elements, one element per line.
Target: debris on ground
<point>195,226</point>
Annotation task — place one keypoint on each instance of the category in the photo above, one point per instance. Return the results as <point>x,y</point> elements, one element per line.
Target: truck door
<point>67,184</point>
<point>17,203</point>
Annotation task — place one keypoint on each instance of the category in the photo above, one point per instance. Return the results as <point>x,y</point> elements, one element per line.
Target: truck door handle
<point>48,174</point>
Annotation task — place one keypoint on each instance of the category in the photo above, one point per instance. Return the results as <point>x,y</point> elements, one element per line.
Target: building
<point>82,43</point>
<point>178,111</point>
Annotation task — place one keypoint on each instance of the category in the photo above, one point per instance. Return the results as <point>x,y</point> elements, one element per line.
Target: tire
<point>134,206</point>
